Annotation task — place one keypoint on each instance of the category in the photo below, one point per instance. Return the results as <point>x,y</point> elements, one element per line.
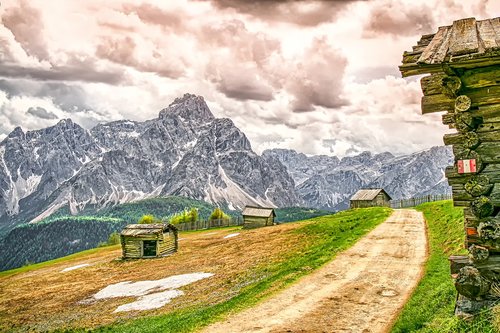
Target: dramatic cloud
<point>393,17</point>
<point>306,13</point>
<point>41,113</point>
<point>155,15</point>
<point>316,76</point>
<point>27,26</point>
<point>122,51</point>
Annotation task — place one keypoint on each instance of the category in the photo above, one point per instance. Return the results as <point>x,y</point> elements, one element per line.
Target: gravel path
<point>361,290</point>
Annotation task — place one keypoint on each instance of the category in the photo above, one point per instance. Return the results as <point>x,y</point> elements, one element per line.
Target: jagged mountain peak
<point>186,151</point>
<point>16,133</point>
<point>189,107</point>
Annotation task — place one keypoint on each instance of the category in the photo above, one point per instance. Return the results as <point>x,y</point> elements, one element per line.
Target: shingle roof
<point>465,41</point>
<point>367,194</point>
<point>258,211</point>
<point>145,229</point>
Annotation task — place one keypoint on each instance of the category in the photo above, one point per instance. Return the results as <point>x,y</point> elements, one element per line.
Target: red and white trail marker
<point>466,166</point>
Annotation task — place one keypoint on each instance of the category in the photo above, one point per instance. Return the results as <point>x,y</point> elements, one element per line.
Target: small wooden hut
<point>148,240</point>
<point>462,61</point>
<point>254,217</point>
<point>375,197</point>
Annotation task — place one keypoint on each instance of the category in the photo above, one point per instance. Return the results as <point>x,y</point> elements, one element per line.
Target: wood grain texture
<point>437,48</point>
<point>487,35</point>
<point>463,37</point>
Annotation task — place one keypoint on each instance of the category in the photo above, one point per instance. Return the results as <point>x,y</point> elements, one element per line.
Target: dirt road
<point>361,290</point>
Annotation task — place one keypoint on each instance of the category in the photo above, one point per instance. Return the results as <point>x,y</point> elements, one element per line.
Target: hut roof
<point>146,229</point>
<point>465,42</point>
<point>258,211</point>
<point>368,194</point>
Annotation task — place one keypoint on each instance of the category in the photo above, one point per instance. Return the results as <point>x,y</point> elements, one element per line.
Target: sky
<point>320,77</point>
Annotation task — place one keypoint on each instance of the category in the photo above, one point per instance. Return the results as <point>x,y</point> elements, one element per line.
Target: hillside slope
<point>280,254</point>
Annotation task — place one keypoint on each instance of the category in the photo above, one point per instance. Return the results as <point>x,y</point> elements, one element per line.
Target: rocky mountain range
<point>186,151</point>
<point>328,182</point>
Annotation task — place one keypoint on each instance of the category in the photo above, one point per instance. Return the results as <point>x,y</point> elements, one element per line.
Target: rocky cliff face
<point>185,151</point>
<point>325,182</point>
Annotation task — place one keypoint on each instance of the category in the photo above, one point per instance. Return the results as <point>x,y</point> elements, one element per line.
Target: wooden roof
<point>368,194</point>
<point>146,229</point>
<point>258,211</point>
<point>462,44</point>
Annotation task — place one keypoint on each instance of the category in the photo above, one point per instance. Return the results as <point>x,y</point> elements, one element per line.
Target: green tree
<point>193,214</point>
<point>148,219</point>
<point>218,214</point>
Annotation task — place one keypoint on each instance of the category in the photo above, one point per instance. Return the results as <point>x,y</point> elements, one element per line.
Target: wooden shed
<point>148,240</point>
<point>374,197</point>
<point>462,63</point>
<point>254,217</point>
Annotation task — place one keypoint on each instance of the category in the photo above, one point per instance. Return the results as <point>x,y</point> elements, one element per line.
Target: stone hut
<point>375,197</point>
<point>148,240</point>
<point>254,217</point>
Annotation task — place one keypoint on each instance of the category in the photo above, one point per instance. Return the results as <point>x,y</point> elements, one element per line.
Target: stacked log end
<point>473,111</point>
<point>463,61</point>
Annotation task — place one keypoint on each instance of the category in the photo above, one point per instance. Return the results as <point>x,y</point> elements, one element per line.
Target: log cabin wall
<point>133,237</point>
<point>463,61</point>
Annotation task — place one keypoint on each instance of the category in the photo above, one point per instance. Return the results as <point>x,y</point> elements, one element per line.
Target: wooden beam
<point>463,39</point>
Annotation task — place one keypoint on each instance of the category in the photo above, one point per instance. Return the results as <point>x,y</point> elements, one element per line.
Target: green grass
<point>431,307</point>
<point>325,237</point>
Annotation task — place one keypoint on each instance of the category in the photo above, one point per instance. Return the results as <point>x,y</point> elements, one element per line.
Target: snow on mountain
<point>325,182</point>
<point>185,151</point>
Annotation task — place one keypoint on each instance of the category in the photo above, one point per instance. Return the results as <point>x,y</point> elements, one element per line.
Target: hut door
<point>149,248</point>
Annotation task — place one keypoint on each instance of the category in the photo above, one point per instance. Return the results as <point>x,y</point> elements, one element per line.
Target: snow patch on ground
<point>232,235</point>
<point>152,294</point>
<point>72,268</point>
<point>152,301</point>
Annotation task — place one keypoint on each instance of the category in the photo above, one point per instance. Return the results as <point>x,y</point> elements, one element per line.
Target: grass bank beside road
<point>431,307</point>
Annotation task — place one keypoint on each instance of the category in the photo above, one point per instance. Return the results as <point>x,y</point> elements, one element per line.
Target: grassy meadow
<point>431,307</point>
<point>248,268</point>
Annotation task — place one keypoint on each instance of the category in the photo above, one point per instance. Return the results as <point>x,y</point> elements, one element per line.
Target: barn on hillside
<point>370,198</point>
<point>148,240</point>
<point>254,217</point>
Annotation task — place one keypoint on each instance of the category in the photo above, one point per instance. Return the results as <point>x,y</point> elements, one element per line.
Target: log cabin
<point>370,198</point>
<point>148,240</point>
<point>255,217</point>
<point>462,67</point>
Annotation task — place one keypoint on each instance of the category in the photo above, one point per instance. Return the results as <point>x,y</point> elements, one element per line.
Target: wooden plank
<point>442,51</point>
<point>437,103</point>
<point>481,77</point>
<point>487,35</point>
<point>489,152</point>
<point>495,24</point>
<point>484,96</point>
<point>490,127</point>
<point>429,54</point>
<point>463,37</point>
<point>432,84</point>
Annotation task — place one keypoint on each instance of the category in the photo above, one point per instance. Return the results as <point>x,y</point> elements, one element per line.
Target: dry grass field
<point>46,298</point>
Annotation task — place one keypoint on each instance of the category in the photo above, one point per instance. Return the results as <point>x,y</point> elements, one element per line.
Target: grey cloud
<point>41,113</point>
<point>71,98</point>
<point>368,74</point>
<point>26,25</point>
<point>317,81</point>
<point>246,91</point>
<point>395,18</point>
<point>304,13</point>
<point>74,71</point>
